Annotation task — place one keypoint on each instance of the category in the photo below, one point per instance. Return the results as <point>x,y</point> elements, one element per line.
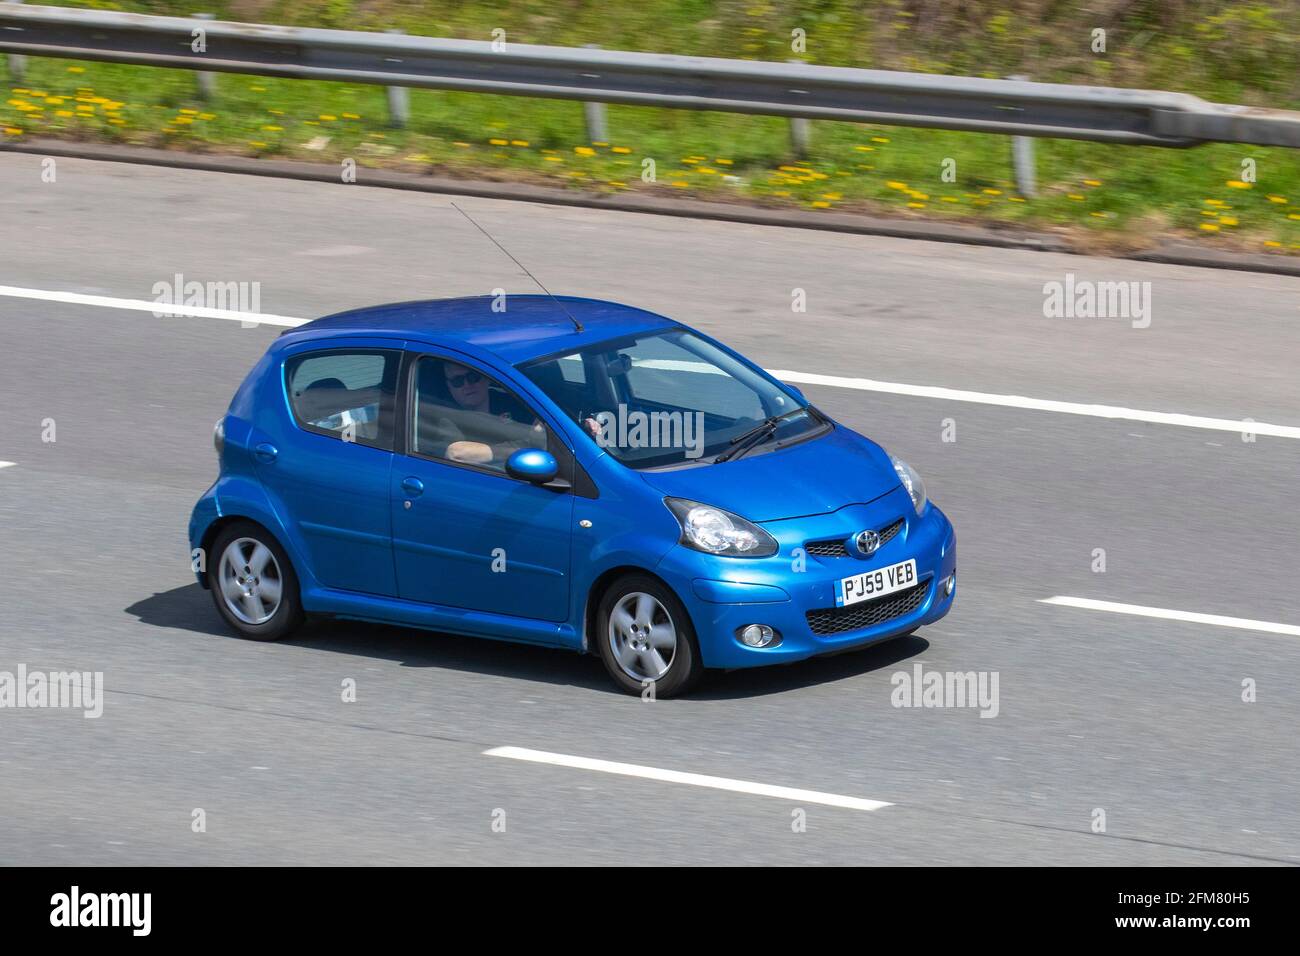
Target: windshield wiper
<point>759,433</point>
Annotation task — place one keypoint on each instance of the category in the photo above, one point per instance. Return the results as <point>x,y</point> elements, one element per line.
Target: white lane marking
<point>1217,620</point>
<point>7,464</point>
<point>804,378</point>
<point>1041,404</point>
<point>144,305</point>
<point>691,779</point>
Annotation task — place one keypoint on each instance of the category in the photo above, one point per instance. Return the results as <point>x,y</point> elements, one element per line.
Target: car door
<point>327,463</point>
<point>466,534</point>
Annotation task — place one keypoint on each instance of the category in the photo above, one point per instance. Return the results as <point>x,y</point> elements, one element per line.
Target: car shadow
<point>189,608</point>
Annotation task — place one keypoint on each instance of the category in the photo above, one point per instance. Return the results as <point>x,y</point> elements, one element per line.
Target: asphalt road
<point>1141,717</point>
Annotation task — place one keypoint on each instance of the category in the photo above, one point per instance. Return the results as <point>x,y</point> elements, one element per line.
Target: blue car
<point>565,472</point>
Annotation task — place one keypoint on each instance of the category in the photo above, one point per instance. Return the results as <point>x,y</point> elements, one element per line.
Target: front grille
<point>836,548</point>
<point>857,617</point>
<point>827,549</point>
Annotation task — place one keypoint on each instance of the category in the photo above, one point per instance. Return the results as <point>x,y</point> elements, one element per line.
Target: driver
<point>482,426</point>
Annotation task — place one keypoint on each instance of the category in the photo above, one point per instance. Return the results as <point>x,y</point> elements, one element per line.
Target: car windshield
<point>670,399</point>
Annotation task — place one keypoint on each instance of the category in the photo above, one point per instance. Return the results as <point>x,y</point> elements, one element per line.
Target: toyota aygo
<point>565,472</point>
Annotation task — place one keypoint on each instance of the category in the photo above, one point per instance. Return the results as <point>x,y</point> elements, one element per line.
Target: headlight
<point>715,531</point>
<point>911,481</point>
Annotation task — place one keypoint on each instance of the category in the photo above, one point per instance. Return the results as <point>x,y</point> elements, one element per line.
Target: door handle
<point>413,487</point>
<point>266,452</point>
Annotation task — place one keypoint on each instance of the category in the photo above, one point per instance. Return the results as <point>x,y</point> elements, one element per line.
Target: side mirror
<point>532,464</point>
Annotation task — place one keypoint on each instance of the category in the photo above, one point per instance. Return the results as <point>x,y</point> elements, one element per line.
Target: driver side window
<point>462,415</point>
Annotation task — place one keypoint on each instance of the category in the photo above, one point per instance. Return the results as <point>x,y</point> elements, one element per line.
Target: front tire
<point>645,638</point>
<point>253,584</point>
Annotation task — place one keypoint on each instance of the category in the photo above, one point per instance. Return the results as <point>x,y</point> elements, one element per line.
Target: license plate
<point>874,584</point>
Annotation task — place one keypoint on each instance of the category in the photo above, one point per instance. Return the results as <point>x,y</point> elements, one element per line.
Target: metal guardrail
<point>1141,117</point>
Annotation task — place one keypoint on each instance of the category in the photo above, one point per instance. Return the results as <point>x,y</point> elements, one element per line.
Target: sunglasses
<point>458,381</point>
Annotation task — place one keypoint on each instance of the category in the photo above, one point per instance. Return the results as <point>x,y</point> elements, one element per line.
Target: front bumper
<point>724,595</point>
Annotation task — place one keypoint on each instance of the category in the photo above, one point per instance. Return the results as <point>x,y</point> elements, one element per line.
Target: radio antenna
<point>577,326</point>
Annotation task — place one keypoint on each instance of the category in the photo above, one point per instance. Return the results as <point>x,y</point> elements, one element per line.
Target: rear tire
<point>644,637</point>
<point>253,584</point>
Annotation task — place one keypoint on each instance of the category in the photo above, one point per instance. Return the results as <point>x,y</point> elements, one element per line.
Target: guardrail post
<point>207,81</point>
<point>594,114</point>
<point>17,62</point>
<point>399,102</point>
<point>1022,160</point>
<point>800,131</point>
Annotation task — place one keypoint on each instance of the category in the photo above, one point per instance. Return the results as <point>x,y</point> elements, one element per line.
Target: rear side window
<point>346,394</point>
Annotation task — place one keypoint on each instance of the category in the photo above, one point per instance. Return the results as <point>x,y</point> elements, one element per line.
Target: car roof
<point>529,327</point>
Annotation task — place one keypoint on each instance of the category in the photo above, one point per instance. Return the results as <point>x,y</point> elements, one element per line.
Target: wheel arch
<point>596,593</point>
<point>218,525</point>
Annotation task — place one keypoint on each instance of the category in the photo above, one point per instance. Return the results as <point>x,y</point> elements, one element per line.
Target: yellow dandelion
<point>620,149</point>
<point>1271,198</point>
<point>880,139</point>
<point>328,117</point>
<point>351,116</point>
<point>991,192</point>
<point>273,129</point>
<point>1092,182</point>
<point>832,196</point>
<point>1075,196</point>
<point>13,131</point>
<point>462,145</point>
<point>584,151</point>
<point>1272,244</point>
<point>1015,199</point>
<point>1237,184</point>
<point>499,142</point>
<point>819,204</point>
<point>723,162</point>
<point>76,69</point>
<point>896,185</point>
<point>1209,227</point>
<point>555,159</point>
<point>950,199</point>
<point>916,205</point>
<point>865,149</point>
<point>1228,220</point>
<point>678,184</point>
<point>519,142</point>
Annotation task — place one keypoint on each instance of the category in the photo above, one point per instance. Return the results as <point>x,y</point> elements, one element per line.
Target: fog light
<point>757,635</point>
<point>950,585</point>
